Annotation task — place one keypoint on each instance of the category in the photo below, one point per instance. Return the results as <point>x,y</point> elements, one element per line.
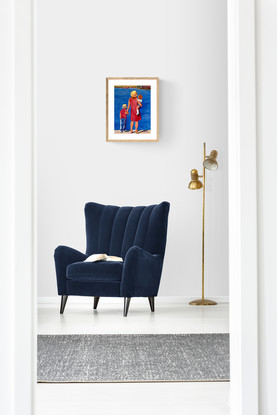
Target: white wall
<point>183,42</point>
<point>266,35</point>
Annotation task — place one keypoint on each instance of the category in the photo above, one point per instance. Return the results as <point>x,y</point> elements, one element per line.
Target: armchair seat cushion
<point>101,271</point>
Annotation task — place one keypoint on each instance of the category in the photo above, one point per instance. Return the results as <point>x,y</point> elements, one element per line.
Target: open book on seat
<point>103,257</point>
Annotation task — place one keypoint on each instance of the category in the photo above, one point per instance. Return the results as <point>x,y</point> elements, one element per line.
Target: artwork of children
<point>132,109</point>
<point>136,116</point>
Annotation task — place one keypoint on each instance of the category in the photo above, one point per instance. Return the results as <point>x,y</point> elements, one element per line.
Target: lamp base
<point>203,301</point>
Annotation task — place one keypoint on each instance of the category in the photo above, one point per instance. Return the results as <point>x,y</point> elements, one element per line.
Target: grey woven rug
<point>133,358</point>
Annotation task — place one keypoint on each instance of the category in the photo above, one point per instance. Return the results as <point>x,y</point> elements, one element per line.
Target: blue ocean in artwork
<point>121,96</point>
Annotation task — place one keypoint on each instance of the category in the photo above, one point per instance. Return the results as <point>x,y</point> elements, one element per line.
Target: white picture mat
<point>154,110</point>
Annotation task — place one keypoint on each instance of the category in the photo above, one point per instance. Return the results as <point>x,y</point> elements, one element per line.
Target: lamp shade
<point>195,183</point>
<point>210,163</point>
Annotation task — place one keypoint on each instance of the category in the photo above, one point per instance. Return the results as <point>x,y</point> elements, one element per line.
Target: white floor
<point>171,316</point>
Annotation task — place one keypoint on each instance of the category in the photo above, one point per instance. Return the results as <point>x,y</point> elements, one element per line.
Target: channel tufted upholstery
<point>113,230</point>
<point>137,234</point>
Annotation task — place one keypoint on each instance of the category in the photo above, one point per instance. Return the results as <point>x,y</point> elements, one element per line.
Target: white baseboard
<point>88,300</point>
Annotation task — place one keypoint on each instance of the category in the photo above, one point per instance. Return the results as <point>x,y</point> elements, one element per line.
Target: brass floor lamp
<point>210,163</point>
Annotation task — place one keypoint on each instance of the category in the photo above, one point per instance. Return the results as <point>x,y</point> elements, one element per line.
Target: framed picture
<point>132,109</point>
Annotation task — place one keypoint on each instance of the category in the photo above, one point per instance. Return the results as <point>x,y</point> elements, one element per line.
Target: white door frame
<point>18,207</point>
<point>242,207</point>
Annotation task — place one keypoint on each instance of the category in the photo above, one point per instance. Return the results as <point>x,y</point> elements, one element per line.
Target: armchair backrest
<point>113,230</point>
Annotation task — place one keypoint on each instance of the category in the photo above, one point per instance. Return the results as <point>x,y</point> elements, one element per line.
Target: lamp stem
<point>203,225</point>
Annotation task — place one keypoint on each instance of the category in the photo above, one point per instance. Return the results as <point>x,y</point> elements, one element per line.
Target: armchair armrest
<point>141,273</point>
<point>64,256</point>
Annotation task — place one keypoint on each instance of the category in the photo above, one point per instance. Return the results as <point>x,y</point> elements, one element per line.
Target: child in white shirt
<point>139,103</point>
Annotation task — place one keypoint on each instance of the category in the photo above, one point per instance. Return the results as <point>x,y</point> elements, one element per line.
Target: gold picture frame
<point>132,117</point>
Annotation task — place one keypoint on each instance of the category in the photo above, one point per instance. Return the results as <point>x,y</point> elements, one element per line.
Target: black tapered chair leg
<point>126,305</point>
<point>63,303</point>
<point>95,303</point>
<point>152,303</point>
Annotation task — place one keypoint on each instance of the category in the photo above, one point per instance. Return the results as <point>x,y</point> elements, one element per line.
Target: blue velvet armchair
<point>137,234</point>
